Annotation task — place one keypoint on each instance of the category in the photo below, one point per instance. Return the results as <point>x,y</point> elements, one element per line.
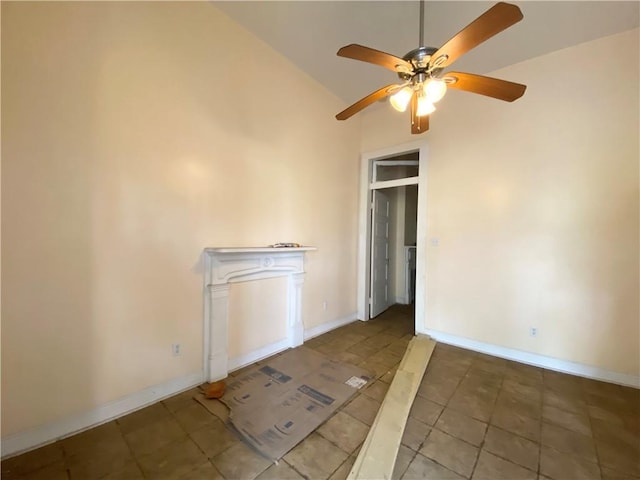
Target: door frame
<point>364,226</point>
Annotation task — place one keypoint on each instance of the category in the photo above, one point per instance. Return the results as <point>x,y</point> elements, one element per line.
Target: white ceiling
<point>310,33</point>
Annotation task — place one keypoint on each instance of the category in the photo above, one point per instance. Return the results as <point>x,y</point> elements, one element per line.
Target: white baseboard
<point>536,360</point>
<point>281,345</point>
<point>309,333</point>
<point>44,434</point>
<point>236,363</point>
<point>403,300</point>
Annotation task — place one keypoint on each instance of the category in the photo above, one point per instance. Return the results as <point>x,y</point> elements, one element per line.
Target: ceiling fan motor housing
<point>420,58</point>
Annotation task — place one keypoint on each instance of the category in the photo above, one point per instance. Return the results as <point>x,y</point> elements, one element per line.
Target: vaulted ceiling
<point>309,33</point>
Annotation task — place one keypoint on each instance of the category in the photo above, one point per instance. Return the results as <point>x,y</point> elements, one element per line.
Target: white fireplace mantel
<point>224,266</point>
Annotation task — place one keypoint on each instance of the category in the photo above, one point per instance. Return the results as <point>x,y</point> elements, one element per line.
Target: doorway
<point>393,180</point>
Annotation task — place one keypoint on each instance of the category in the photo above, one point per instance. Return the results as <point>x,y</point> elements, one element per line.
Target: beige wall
<point>536,205</point>
<point>133,136</point>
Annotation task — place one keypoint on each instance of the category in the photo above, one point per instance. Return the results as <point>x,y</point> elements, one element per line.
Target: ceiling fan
<point>421,70</point>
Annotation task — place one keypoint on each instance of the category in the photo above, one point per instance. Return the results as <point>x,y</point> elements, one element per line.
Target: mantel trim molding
<point>224,266</point>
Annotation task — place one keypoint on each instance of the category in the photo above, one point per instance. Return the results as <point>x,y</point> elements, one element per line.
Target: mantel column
<point>218,332</point>
<point>296,327</point>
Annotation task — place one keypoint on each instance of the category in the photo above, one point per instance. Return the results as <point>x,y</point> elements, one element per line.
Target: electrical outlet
<point>324,305</point>
<point>533,332</point>
<point>176,349</point>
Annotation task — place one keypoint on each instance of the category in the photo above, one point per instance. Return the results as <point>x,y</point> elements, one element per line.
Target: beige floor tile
<point>569,420</point>
<point>388,376</point>
<point>53,471</point>
<point>194,417</point>
<point>374,369</point>
<point>130,471</point>
<point>491,467</point>
<point>517,449</point>
<point>343,470</point>
<point>529,393</point>
<point>181,400</point>
<point>154,435</point>
<point>516,423</point>
<point>611,433</point>
<point>315,457</point>
<point>403,459</point>
<point>476,376</point>
<point>450,452</point>
<point>559,466</point>
<point>563,401</point>
<point>614,474</point>
<point>478,404</point>
<point>523,373</point>
<point>562,383</point>
<point>455,368</point>
<point>624,459</point>
<point>380,340</point>
<point>422,468</point>
<point>31,461</point>
<point>399,347</point>
<point>386,358</point>
<point>568,441</point>
<point>362,350</point>
<point>619,418</point>
<point>425,410</point>
<point>348,358</point>
<point>143,417</point>
<point>99,437</point>
<point>281,471</point>
<point>462,426</point>
<point>344,431</point>
<point>205,471</point>
<point>214,439</point>
<point>519,403</point>
<point>240,462</point>
<point>215,407</point>
<point>438,390</point>
<point>376,390</point>
<point>363,408</point>
<point>415,433</point>
<point>97,452</point>
<point>173,460</point>
<point>97,463</point>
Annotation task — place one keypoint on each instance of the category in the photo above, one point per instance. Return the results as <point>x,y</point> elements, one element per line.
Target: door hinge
<point>370,300</point>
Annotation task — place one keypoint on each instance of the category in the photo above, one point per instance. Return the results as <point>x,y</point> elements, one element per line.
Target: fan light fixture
<point>425,107</point>
<point>428,93</point>
<point>401,98</point>
<point>434,89</point>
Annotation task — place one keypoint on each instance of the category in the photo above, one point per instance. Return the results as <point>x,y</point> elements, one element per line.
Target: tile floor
<point>475,416</point>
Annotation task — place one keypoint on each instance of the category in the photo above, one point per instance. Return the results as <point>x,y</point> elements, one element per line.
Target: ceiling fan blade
<point>498,18</point>
<point>491,87</point>
<point>366,54</point>
<point>366,101</point>
<point>418,124</point>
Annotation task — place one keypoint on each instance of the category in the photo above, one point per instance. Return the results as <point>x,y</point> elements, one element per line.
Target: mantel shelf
<point>259,249</point>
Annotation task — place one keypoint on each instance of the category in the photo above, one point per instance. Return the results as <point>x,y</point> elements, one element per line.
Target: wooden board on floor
<point>378,454</point>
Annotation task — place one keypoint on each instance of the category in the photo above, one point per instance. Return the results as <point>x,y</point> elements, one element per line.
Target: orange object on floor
<point>215,389</point>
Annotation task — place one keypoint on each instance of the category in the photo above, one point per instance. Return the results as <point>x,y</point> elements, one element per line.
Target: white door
<point>379,254</point>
